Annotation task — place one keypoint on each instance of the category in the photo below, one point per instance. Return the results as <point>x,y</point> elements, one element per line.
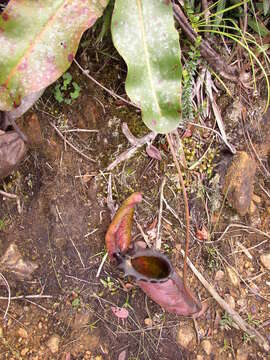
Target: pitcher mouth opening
<point>146,265</point>
<point>151,266</point>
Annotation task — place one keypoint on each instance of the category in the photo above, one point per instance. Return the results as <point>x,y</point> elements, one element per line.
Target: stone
<point>230,301</point>
<point>265,260</point>
<point>31,127</point>
<point>232,276</point>
<point>24,351</point>
<point>81,319</point>
<point>148,322</point>
<point>186,337</point>
<point>53,343</point>
<point>242,353</point>
<point>219,275</point>
<point>256,199</point>
<point>252,208</point>
<point>207,346</point>
<point>22,333</point>
<point>238,184</point>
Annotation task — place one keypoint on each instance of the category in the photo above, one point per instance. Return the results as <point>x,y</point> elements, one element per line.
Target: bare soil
<point>65,217</point>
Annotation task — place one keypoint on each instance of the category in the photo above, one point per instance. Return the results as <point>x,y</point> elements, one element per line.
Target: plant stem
<point>186,206</point>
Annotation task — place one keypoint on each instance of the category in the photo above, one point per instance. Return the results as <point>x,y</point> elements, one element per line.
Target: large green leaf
<point>144,34</point>
<point>38,41</point>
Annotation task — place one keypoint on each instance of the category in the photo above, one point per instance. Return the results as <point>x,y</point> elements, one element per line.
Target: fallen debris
<point>239,179</point>
<point>12,261</point>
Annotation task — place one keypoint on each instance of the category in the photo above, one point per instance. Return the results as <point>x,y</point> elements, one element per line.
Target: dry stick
<point>69,143</point>
<point>24,297</point>
<point>9,294</point>
<point>210,55</point>
<point>158,237</point>
<point>86,73</point>
<point>186,207</point>
<point>136,144</point>
<point>243,325</point>
<point>12,196</point>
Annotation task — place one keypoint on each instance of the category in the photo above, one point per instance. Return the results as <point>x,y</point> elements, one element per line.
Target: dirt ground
<point>64,311</point>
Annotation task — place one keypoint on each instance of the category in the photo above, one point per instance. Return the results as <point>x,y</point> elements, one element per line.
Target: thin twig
<point>243,325</point>
<point>211,56</point>
<point>22,297</point>
<point>110,203</point>
<point>158,237</point>
<point>101,264</point>
<point>69,143</point>
<point>145,237</point>
<point>123,157</point>
<point>86,73</point>
<point>186,207</point>
<point>243,227</point>
<point>12,196</point>
<point>9,295</point>
<point>80,130</point>
<point>136,144</point>
<point>38,305</point>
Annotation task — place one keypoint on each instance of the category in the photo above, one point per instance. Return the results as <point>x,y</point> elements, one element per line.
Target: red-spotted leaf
<point>121,313</point>
<point>118,236</point>
<point>38,41</point>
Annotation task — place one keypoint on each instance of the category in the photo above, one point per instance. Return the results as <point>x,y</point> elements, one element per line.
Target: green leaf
<point>76,93</point>
<point>67,80</point>
<point>258,26</point>
<point>144,34</point>
<point>266,7</point>
<point>58,94</point>
<point>76,303</point>
<point>39,40</point>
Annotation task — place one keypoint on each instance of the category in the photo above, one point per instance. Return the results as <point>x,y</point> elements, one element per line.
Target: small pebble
<point>186,337</point>
<point>242,353</point>
<point>24,351</point>
<point>22,333</point>
<point>53,343</point>
<point>219,275</point>
<point>265,260</point>
<point>232,276</point>
<point>256,199</point>
<point>148,322</point>
<point>252,208</point>
<point>207,346</point>
<point>230,301</point>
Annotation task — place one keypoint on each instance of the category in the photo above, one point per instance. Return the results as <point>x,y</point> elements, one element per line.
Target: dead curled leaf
<point>12,151</point>
<point>121,313</point>
<point>153,152</point>
<point>12,261</point>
